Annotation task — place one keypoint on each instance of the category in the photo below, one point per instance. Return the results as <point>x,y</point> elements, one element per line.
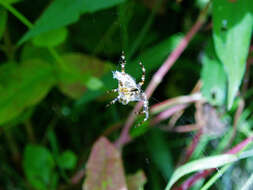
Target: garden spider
<point>128,90</point>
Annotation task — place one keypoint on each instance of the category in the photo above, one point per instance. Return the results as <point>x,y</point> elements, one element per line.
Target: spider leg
<point>113,101</point>
<point>123,62</point>
<point>145,109</point>
<point>113,90</point>
<point>143,74</point>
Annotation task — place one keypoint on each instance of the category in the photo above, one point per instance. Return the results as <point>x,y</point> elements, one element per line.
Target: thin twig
<point>167,113</point>
<point>236,119</point>
<point>191,148</point>
<point>29,130</point>
<point>174,101</point>
<point>159,75</point>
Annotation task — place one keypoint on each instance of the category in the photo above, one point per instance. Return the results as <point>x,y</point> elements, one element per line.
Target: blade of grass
<point>215,177</point>
<point>201,164</point>
<point>248,184</point>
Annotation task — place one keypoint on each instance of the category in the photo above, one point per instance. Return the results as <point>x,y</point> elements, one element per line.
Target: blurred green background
<point>56,63</point>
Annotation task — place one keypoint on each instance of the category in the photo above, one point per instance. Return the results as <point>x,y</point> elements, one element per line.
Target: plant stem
<point>29,130</point>
<point>167,113</point>
<point>159,75</point>
<point>162,106</point>
<point>17,14</point>
<point>12,145</point>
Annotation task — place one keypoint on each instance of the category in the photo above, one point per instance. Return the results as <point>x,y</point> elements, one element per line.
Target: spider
<point>128,90</point>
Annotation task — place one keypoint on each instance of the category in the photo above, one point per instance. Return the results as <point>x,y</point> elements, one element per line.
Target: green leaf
<point>232,24</point>
<point>136,181</point>
<point>201,164</point>
<point>161,156</point>
<point>39,167</point>
<point>80,72</point>
<point>51,39</point>
<point>29,51</point>
<point>213,77</point>
<point>22,86</point>
<point>67,160</point>
<point>104,168</point>
<point>3,21</point>
<point>64,12</point>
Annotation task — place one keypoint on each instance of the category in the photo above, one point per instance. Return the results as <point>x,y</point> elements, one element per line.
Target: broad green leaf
<point>64,12</point>
<point>67,160</point>
<point>213,77</point>
<point>151,58</point>
<point>81,71</point>
<point>51,39</point>
<point>136,181</point>
<point>232,29</point>
<point>3,21</point>
<point>201,164</point>
<point>161,156</point>
<point>39,167</point>
<point>22,86</point>
<point>104,169</point>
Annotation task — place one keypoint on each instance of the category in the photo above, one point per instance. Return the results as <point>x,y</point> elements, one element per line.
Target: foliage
<point>56,131</point>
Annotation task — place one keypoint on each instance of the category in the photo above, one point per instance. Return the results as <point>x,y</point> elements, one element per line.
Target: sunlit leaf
<point>136,181</point>
<point>232,29</point>
<point>104,168</point>
<point>39,166</point>
<point>201,164</point>
<point>64,12</point>
<point>51,38</point>
<point>82,72</point>
<point>213,77</point>
<point>22,86</point>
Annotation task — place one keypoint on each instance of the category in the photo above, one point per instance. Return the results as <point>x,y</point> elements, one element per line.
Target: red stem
<point>166,114</point>
<point>159,75</point>
<point>192,147</point>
